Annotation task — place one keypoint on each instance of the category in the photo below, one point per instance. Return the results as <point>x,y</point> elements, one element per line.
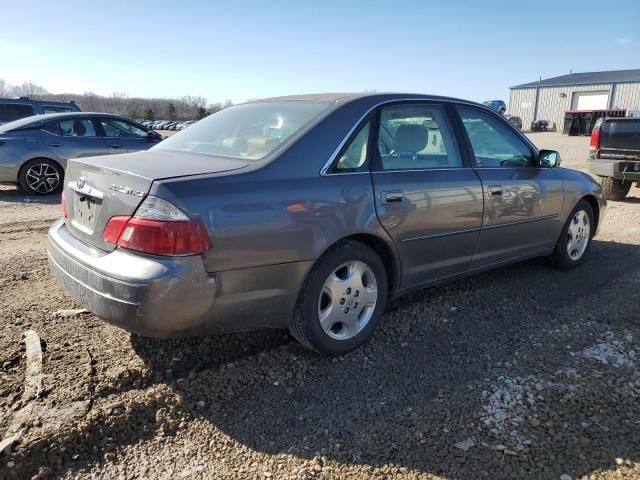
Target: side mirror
<point>549,158</point>
<point>153,137</point>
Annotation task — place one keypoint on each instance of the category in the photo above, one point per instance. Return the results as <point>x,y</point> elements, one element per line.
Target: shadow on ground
<point>17,195</point>
<point>420,386</point>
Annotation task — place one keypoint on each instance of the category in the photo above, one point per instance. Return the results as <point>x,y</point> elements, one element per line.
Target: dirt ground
<point>523,372</point>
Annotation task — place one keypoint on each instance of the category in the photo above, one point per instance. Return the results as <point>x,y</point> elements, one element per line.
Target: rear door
<point>427,199</point>
<point>522,200</point>
<point>121,136</point>
<point>73,137</point>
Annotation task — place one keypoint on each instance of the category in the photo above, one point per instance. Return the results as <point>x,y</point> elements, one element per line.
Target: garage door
<point>598,100</point>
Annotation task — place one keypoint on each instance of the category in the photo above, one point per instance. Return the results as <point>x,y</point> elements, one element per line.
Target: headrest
<point>78,128</point>
<point>410,138</point>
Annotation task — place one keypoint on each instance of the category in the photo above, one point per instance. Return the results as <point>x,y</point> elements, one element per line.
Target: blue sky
<point>247,49</point>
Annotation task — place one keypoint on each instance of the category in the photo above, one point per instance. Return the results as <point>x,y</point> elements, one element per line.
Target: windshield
<point>250,131</point>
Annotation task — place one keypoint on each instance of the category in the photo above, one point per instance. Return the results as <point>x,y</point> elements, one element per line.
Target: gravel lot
<point>523,372</point>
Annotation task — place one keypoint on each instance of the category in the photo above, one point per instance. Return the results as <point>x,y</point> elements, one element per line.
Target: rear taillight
<point>63,205</point>
<point>594,144</point>
<point>158,228</point>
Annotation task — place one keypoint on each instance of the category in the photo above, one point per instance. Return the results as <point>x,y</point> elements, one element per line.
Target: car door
<point>121,136</point>
<point>523,200</point>
<point>72,137</point>
<point>426,198</point>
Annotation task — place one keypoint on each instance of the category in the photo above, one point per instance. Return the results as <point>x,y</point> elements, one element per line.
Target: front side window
<point>14,111</point>
<point>250,131</point>
<point>494,144</point>
<point>121,129</point>
<point>73,127</point>
<point>416,137</point>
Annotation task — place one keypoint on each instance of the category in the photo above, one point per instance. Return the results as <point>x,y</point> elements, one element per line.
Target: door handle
<point>495,190</point>
<point>115,146</point>
<point>55,144</point>
<point>392,197</point>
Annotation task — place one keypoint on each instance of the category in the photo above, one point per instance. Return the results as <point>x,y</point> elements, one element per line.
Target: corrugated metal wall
<point>552,105</point>
<point>627,95</point>
<point>521,104</point>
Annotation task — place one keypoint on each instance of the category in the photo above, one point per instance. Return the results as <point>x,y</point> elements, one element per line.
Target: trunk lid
<point>98,188</point>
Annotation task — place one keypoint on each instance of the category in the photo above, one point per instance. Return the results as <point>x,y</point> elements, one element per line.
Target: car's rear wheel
<point>614,189</point>
<point>342,299</point>
<point>41,176</point>
<point>575,239</point>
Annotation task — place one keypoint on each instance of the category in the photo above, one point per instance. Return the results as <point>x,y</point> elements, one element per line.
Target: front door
<point>522,200</point>
<point>428,201</point>
<point>121,136</point>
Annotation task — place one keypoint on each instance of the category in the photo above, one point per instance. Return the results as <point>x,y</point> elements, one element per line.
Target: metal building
<point>548,99</point>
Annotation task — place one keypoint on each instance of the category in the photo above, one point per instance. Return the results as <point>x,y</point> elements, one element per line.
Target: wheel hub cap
<point>347,300</point>
<point>578,235</point>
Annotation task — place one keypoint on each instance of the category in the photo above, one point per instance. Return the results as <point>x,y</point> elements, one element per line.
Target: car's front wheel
<point>41,176</point>
<point>575,239</point>
<point>342,299</point>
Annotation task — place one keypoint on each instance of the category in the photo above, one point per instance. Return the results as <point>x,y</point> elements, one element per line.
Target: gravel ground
<point>523,372</point>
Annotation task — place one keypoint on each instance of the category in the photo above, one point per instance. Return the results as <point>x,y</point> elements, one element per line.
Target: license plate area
<point>85,212</point>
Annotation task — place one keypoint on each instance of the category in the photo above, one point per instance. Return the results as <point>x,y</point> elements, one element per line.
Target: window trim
<point>509,126</point>
<point>377,160</point>
<point>451,104</point>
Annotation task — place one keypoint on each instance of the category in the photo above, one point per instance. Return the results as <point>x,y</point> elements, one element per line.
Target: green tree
<point>201,113</point>
<point>149,114</point>
<point>171,112</point>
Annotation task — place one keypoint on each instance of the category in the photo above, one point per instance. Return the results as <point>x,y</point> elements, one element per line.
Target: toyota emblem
<point>80,183</point>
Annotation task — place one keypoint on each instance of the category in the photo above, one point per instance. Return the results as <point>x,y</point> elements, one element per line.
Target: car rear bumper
<point>618,169</point>
<point>172,296</point>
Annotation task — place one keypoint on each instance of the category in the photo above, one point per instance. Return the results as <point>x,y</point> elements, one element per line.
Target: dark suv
<point>16,108</point>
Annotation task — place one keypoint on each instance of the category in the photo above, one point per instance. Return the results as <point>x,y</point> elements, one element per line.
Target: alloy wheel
<point>42,178</point>
<point>578,235</point>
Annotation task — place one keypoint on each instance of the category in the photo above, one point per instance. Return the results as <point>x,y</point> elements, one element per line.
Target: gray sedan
<point>34,150</point>
<point>310,213</point>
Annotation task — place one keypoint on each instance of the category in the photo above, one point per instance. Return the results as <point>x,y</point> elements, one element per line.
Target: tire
<point>614,189</point>
<point>569,252</point>
<point>340,286</point>
<point>41,176</point>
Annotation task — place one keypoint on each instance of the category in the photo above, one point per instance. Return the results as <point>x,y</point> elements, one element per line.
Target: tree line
<point>187,107</point>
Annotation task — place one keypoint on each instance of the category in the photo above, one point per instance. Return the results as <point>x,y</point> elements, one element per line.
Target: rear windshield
<point>250,131</point>
<point>14,111</point>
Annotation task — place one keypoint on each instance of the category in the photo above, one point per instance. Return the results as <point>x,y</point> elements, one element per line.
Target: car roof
<point>25,100</point>
<point>40,119</point>
<point>349,97</point>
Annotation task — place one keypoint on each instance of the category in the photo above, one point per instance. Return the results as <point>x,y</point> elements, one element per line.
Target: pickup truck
<point>615,155</point>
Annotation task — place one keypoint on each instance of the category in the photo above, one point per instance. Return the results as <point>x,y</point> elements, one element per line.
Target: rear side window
<point>54,109</point>
<point>494,144</point>
<point>354,156</point>
<point>14,111</point>
<point>417,137</point>
<point>76,127</point>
